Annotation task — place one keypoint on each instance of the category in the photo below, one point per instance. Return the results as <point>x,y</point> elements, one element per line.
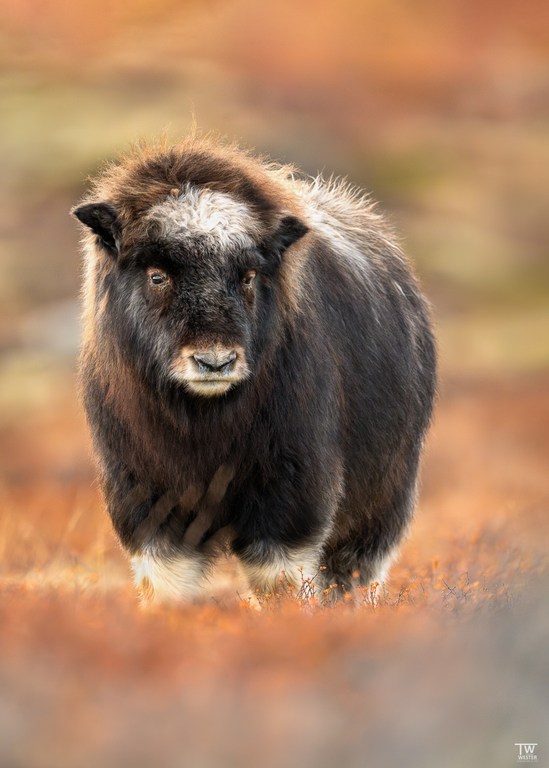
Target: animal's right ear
<point>102,219</point>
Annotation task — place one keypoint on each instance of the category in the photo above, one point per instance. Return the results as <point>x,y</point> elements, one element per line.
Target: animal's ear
<point>102,219</point>
<point>289,231</point>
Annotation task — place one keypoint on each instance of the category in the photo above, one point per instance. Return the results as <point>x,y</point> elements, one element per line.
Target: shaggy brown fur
<point>306,452</point>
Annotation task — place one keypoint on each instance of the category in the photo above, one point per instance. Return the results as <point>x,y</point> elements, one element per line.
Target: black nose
<point>215,362</point>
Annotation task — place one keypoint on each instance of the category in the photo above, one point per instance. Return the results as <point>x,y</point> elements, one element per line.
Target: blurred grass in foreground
<point>448,666</point>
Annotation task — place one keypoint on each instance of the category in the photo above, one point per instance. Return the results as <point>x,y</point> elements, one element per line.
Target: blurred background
<point>441,110</point>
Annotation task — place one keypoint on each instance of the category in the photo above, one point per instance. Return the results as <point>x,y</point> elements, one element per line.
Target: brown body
<point>258,370</point>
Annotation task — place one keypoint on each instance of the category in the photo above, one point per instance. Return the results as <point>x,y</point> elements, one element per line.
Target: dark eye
<point>248,278</point>
<point>157,278</point>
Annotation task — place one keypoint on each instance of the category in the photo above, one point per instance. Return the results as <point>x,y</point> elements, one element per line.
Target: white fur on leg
<point>382,567</point>
<point>296,569</point>
<point>381,575</point>
<point>168,578</point>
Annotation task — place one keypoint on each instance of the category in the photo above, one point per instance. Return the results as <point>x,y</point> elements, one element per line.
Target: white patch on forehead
<point>216,216</point>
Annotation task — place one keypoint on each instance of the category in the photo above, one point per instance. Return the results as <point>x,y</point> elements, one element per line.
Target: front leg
<point>274,569</point>
<point>282,526</point>
<point>166,536</point>
<point>169,576</point>
<point>173,563</point>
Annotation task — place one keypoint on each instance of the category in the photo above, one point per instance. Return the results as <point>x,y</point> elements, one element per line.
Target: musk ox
<point>258,371</point>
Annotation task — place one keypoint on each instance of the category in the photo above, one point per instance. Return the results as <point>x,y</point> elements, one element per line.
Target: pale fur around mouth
<point>210,387</point>
<point>207,386</point>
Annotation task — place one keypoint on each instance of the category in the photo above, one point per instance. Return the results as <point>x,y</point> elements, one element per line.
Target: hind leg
<point>365,554</point>
<point>348,567</point>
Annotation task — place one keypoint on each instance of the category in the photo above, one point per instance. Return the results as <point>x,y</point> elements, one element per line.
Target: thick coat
<point>258,370</point>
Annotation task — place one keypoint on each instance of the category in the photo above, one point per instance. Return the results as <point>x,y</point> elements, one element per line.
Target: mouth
<point>211,386</point>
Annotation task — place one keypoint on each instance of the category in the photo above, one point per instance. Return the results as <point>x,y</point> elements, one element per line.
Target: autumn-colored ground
<point>441,111</point>
<point>443,661</point>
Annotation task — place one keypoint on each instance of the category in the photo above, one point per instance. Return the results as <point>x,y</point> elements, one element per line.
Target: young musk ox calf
<point>258,371</point>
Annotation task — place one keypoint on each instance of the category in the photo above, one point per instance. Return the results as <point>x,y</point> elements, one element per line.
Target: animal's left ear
<point>289,231</point>
<point>102,219</point>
